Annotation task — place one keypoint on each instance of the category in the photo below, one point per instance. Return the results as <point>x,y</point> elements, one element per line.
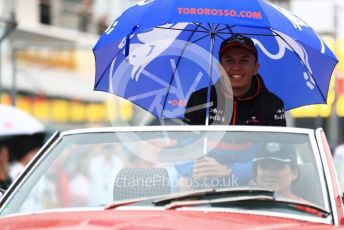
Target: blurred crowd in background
<point>15,153</point>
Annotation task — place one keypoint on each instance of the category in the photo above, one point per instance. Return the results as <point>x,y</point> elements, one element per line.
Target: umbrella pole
<point>212,44</point>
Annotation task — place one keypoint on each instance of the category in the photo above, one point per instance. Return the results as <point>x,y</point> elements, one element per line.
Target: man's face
<point>275,175</point>
<point>240,65</point>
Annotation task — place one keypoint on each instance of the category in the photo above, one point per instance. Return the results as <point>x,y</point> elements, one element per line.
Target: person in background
<point>22,149</point>
<point>102,24</point>
<point>275,167</point>
<point>85,13</point>
<point>5,180</point>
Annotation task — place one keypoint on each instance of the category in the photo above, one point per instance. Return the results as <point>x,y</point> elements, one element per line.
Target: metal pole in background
<point>10,26</point>
<point>14,77</point>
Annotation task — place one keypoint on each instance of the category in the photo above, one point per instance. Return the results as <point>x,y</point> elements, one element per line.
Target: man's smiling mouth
<point>237,76</point>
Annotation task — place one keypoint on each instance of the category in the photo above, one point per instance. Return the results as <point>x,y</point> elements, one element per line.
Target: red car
<point>209,177</point>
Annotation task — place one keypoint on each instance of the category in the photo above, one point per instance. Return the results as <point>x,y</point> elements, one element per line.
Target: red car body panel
<point>337,195</point>
<point>170,219</point>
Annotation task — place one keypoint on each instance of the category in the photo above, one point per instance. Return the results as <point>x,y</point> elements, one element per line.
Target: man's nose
<point>236,65</point>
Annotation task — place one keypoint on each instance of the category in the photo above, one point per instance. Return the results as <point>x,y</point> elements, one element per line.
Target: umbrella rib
<point>266,35</point>
<point>227,28</point>
<point>230,29</point>
<point>248,34</point>
<point>178,61</point>
<point>209,25</point>
<point>230,32</point>
<point>309,72</point>
<point>181,29</point>
<point>220,36</point>
<point>199,38</point>
<point>200,25</point>
<point>205,30</point>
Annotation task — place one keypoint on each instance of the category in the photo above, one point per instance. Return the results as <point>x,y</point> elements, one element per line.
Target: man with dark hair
<point>253,103</point>
<point>275,167</point>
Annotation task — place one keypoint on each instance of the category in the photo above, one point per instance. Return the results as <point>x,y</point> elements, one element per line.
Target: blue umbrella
<point>159,51</point>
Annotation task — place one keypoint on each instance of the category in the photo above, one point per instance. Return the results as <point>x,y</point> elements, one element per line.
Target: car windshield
<point>95,169</point>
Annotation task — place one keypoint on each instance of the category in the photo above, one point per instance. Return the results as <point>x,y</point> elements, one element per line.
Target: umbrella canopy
<point>159,51</point>
<point>14,121</point>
